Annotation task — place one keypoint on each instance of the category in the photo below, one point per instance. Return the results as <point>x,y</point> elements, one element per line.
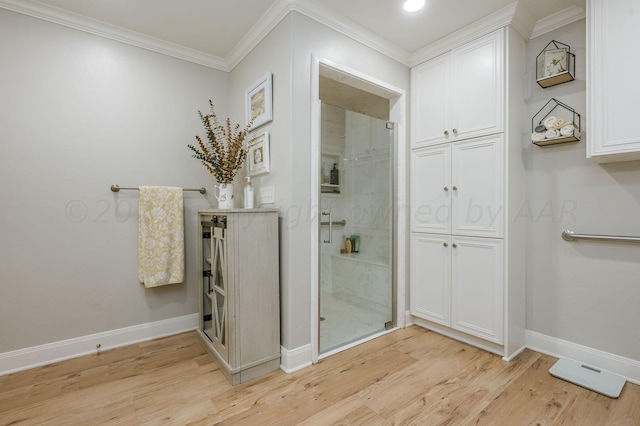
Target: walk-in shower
<point>356,225</point>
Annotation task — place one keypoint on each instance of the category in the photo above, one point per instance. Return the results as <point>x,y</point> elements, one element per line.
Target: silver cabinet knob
<point>446,188</point>
<point>445,244</point>
<point>455,188</point>
<point>446,133</point>
<point>454,245</point>
<point>455,131</point>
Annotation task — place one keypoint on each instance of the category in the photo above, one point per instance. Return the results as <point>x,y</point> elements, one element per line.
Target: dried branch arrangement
<point>224,152</point>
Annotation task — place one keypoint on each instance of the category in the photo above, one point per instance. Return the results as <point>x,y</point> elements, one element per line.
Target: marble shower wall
<point>363,146</point>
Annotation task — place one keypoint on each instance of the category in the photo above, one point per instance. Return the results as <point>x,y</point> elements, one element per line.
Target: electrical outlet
<point>267,195</point>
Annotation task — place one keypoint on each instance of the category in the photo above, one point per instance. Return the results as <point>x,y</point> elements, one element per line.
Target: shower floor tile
<point>345,323</point>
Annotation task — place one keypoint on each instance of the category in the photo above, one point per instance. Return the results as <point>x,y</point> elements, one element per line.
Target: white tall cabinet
<point>452,87</point>
<point>467,186</point>
<point>458,187</point>
<point>612,80</point>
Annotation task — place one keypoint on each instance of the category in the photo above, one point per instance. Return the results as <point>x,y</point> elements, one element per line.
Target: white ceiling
<point>216,27</point>
<point>438,18</point>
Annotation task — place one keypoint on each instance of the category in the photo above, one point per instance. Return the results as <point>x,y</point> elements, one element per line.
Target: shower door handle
<point>330,227</point>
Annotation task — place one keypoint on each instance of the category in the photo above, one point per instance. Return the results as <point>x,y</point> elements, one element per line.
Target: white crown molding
<point>489,23</point>
<point>36,356</point>
<point>272,17</point>
<point>522,21</point>
<point>348,28</point>
<point>260,30</point>
<point>513,14</point>
<point>113,32</point>
<point>557,20</point>
<point>509,15</point>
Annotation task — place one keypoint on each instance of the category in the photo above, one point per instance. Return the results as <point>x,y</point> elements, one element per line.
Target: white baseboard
<point>36,356</point>
<point>408,319</point>
<point>296,359</point>
<point>625,367</point>
<point>292,360</point>
<point>515,354</point>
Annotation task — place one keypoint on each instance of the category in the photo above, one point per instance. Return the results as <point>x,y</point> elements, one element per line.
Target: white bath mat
<point>589,377</point>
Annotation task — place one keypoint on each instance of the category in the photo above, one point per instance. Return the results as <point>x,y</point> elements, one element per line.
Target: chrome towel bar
<point>116,188</point>
<point>569,235</point>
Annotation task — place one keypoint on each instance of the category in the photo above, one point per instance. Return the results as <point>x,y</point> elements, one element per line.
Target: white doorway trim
<point>397,114</point>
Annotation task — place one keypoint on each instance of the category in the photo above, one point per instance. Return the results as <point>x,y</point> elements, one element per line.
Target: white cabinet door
<point>430,277</point>
<point>477,89</point>
<point>613,88</point>
<point>459,188</point>
<point>431,102</point>
<point>476,287</point>
<point>477,184</point>
<point>430,189</point>
<point>460,94</point>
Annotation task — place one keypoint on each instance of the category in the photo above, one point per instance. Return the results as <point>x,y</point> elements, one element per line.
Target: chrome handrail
<point>569,235</point>
<point>335,223</point>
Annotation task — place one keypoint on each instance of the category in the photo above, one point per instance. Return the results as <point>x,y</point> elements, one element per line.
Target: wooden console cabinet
<point>240,292</point>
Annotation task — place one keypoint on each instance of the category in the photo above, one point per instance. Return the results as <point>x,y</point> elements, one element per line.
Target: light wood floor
<point>409,376</point>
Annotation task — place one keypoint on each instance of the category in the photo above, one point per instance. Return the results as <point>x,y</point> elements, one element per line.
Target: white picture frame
<point>258,156</point>
<point>259,101</point>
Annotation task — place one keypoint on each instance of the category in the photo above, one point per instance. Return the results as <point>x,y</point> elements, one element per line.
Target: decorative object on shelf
<point>355,243</point>
<point>555,64</point>
<point>222,154</point>
<point>259,158</point>
<point>259,101</point>
<point>351,244</point>
<point>330,183</point>
<point>335,175</point>
<point>248,194</point>
<point>223,192</point>
<point>326,172</point>
<point>555,123</point>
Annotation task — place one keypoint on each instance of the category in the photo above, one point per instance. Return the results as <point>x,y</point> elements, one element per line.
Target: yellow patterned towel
<point>160,236</point>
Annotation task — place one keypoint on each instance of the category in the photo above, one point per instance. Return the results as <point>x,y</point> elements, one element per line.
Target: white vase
<point>224,194</point>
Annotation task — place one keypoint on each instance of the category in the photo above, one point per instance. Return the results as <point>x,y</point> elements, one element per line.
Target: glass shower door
<point>356,227</point>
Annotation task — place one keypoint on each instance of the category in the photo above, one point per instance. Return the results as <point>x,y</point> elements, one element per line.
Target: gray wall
<point>287,52</point>
<point>587,292</point>
<point>312,38</point>
<point>273,54</point>
<point>79,113</point>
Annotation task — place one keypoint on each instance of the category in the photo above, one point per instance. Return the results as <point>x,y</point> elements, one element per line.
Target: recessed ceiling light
<point>413,5</point>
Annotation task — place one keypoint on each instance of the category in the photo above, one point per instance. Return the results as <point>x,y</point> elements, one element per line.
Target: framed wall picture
<point>258,161</point>
<point>259,101</point>
<point>555,62</point>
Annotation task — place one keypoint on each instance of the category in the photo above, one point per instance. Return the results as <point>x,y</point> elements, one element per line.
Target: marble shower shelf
<point>357,257</point>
